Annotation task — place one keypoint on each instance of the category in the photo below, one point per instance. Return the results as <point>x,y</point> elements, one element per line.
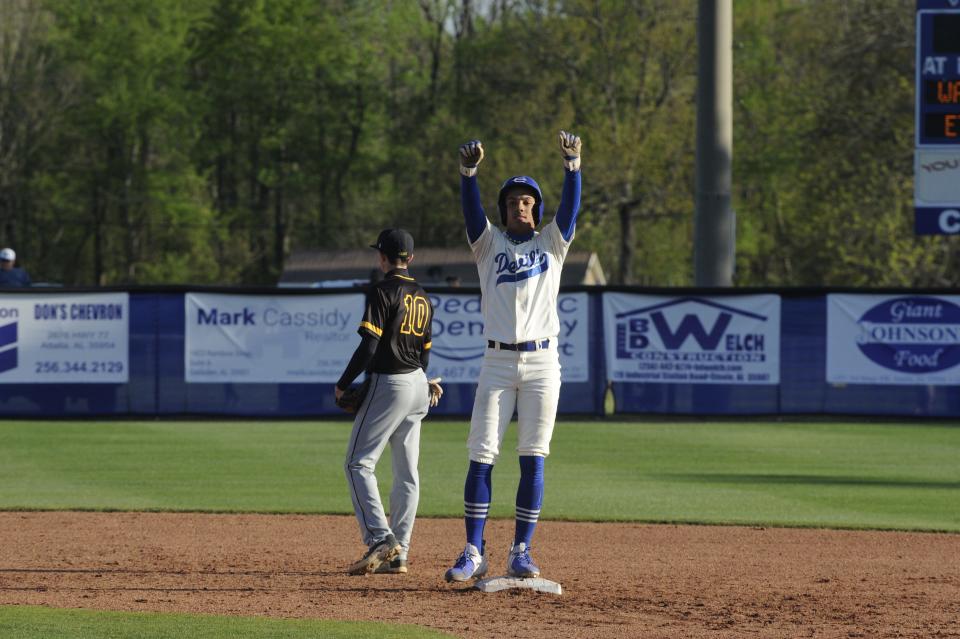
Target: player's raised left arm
<point>471,155</point>
<point>566,218</point>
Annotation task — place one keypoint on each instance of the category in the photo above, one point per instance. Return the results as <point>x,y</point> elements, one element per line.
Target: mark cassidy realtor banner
<point>80,338</point>
<point>266,339</point>
<point>692,340</point>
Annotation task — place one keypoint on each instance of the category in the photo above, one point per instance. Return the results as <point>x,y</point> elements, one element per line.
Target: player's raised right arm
<point>566,218</point>
<point>471,155</point>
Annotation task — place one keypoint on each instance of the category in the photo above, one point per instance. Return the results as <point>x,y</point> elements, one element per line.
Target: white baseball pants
<point>526,381</point>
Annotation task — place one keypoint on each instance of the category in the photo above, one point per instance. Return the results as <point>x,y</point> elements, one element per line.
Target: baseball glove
<point>353,397</point>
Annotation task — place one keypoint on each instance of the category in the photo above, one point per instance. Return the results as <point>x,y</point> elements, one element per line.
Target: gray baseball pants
<point>391,412</point>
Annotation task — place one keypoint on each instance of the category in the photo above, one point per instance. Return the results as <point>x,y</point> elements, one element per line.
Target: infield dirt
<point>619,580</point>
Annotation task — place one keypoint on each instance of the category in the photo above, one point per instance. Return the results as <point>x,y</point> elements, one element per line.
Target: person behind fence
<point>11,276</point>
<point>394,350</point>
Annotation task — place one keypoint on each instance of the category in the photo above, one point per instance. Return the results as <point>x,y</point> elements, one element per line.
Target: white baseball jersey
<point>520,283</point>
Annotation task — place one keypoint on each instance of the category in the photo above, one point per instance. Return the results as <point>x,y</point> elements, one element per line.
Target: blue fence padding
<point>803,343</point>
<point>695,399</point>
<point>171,389</point>
<point>62,400</point>
<point>598,355</point>
<point>915,401</point>
<point>156,385</point>
<point>141,389</point>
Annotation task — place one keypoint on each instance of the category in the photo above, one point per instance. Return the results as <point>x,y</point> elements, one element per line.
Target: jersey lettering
<point>526,307</point>
<point>524,267</point>
<point>417,312</point>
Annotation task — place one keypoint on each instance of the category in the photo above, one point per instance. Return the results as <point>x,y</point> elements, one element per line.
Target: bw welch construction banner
<point>692,340</point>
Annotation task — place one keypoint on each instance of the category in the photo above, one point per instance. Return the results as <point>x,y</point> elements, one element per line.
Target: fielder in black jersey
<point>394,351</point>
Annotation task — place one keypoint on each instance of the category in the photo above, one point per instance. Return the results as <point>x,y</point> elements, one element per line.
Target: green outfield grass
<point>29,622</point>
<point>849,475</point>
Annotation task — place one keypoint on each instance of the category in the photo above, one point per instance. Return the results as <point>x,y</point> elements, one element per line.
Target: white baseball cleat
<point>520,564</point>
<point>471,564</point>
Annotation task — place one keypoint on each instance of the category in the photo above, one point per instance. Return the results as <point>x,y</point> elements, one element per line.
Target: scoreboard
<point>937,153</point>
<point>938,94</point>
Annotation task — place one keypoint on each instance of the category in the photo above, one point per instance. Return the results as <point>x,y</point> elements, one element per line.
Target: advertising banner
<point>887,339</point>
<point>272,340</point>
<point>459,345</point>
<point>692,340</point>
<point>80,338</point>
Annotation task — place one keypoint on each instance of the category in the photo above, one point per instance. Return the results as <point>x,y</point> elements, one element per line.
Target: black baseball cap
<point>395,244</point>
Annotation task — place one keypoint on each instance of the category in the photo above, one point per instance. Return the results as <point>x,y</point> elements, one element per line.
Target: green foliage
<point>116,181</point>
<point>825,110</point>
<point>203,140</point>
<point>901,476</point>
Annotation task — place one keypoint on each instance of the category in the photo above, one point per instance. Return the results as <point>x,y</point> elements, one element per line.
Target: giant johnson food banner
<point>893,339</point>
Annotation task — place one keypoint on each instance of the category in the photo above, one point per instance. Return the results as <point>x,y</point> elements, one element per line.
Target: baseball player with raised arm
<point>395,350</point>
<point>519,281</point>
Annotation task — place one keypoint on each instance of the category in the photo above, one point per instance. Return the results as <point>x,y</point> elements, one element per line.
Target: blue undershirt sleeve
<point>473,213</point>
<point>566,218</point>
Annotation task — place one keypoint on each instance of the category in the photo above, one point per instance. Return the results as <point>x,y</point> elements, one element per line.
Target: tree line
<point>201,141</point>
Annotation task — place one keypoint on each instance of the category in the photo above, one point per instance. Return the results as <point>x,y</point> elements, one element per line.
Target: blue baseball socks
<point>477,493</point>
<point>529,498</point>
<point>476,501</point>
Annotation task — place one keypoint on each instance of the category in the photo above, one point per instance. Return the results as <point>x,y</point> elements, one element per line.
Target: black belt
<point>532,345</point>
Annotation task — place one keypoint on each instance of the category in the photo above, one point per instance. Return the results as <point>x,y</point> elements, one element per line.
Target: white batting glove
<point>436,391</point>
<point>471,155</point>
<point>570,148</point>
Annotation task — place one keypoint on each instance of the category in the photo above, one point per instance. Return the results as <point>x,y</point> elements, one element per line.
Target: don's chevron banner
<point>65,338</point>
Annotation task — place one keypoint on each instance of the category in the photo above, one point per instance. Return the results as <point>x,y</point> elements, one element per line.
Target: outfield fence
<point>172,351</point>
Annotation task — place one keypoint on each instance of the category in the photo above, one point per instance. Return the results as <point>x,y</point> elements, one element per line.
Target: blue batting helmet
<point>521,180</point>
